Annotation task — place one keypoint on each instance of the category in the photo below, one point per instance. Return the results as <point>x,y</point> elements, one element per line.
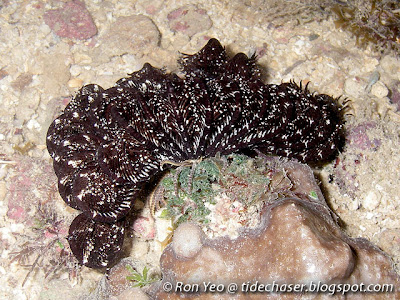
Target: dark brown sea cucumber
<point>108,143</point>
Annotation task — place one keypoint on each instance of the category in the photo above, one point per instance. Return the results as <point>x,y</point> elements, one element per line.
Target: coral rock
<point>72,21</point>
<point>296,241</point>
<point>189,20</point>
<point>131,34</point>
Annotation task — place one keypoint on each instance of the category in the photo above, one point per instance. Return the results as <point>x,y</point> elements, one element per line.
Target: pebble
<point>82,59</point>
<point>358,138</point>
<point>33,124</point>
<point>375,76</point>
<point>187,240</point>
<point>22,81</point>
<point>395,95</point>
<point>72,21</point>
<point>144,227</point>
<point>75,70</point>
<point>189,20</point>
<point>353,205</point>
<point>133,34</point>
<point>353,87</point>
<point>371,200</point>
<point>379,90</point>
<point>54,68</point>
<point>300,47</point>
<point>390,64</point>
<point>75,83</point>
<point>369,64</point>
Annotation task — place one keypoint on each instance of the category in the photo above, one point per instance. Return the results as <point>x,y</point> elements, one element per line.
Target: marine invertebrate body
<point>108,143</point>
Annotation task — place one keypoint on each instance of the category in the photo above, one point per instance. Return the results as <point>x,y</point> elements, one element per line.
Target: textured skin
<point>108,143</point>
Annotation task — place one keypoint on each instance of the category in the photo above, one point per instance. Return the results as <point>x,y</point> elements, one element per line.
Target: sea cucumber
<point>108,143</point>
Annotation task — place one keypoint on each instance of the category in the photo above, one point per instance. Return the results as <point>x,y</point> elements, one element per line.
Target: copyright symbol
<point>232,288</point>
<point>167,287</point>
